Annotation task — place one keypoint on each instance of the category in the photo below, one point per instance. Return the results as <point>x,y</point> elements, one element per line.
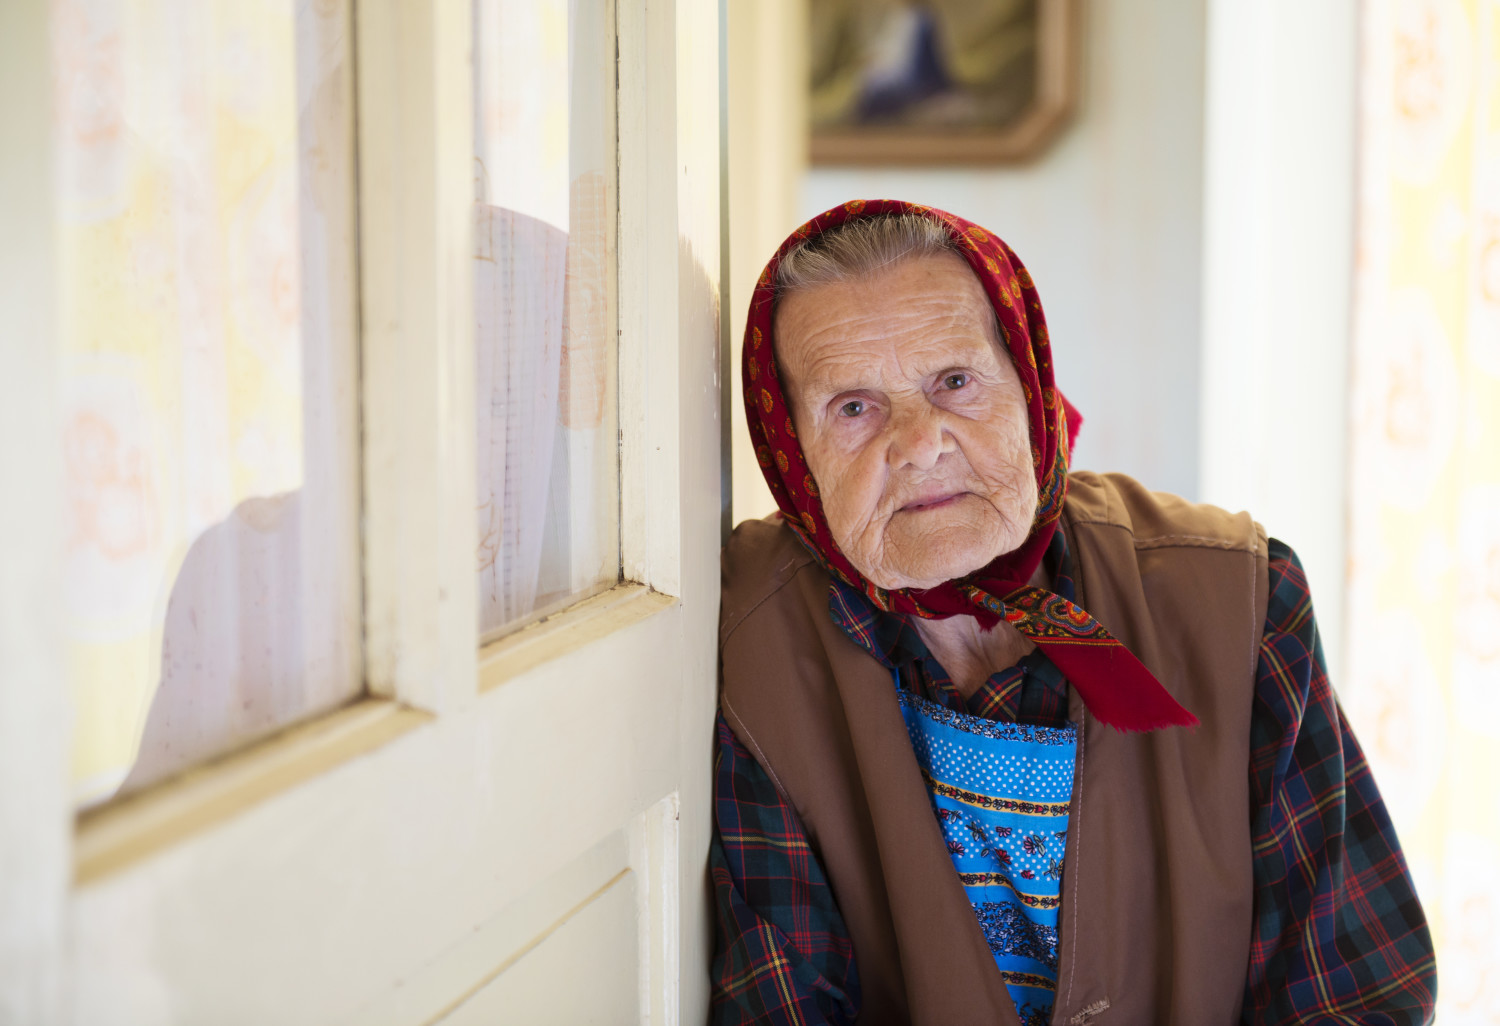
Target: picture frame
<point>940,82</point>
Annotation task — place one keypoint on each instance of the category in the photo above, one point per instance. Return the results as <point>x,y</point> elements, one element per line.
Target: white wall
<point>767,141</point>
<point>1278,273</point>
<point>1109,222</point>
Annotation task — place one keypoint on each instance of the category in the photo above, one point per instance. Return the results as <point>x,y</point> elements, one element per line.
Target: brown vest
<point>1156,908</point>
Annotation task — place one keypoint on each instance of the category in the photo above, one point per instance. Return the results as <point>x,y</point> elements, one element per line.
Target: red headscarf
<point>1115,686</point>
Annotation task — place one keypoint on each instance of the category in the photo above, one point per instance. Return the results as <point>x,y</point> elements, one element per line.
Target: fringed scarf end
<point>1145,724</point>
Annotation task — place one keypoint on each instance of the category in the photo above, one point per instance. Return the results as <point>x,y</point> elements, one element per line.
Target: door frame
<point>343,870</point>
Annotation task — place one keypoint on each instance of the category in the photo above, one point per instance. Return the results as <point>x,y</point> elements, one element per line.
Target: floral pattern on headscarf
<point>1114,685</point>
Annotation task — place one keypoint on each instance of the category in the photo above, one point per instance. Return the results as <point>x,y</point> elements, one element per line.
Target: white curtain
<point>544,271</point>
<point>520,266</point>
<point>205,176</point>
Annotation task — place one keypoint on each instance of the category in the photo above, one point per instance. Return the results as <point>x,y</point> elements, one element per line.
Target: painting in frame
<point>940,81</point>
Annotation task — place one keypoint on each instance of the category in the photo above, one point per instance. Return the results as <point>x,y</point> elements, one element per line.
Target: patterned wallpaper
<point>1424,564</point>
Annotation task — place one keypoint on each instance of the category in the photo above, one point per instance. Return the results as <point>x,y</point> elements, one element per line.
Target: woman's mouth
<point>926,503</point>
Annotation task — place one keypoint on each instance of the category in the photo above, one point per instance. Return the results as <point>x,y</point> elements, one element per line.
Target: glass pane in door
<point>544,284</point>
<point>206,182</point>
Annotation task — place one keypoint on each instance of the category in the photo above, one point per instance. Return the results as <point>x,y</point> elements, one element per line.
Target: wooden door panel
<point>582,972</point>
<point>526,822</point>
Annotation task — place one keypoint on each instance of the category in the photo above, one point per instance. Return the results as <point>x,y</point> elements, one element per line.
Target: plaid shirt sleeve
<point>1339,935</point>
<point>784,955</point>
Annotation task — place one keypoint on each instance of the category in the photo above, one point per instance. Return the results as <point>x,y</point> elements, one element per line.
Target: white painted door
<point>508,832</point>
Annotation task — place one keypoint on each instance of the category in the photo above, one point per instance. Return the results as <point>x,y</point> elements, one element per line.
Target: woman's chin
<point>937,557</point>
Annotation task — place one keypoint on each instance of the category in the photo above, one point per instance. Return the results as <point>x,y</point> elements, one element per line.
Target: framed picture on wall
<point>940,81</point>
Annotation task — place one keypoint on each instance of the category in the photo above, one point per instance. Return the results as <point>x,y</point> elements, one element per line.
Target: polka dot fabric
<point>1116,687</point>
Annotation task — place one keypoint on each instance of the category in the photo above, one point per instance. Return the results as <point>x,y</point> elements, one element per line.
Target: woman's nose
<point>916,436</point>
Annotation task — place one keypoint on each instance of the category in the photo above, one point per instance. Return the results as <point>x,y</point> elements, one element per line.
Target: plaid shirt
<point>1338,933</point>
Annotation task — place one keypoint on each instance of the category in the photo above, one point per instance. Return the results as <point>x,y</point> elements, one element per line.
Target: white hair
<point>858,249</point>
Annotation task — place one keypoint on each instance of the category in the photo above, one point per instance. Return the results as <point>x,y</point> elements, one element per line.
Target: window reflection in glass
<point>544,283</point>
<point>205,162</point>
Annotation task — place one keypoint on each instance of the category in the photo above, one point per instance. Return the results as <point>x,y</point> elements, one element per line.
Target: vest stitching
<point>1089,1012</point>
<point>1192,541</point>
<point>1152,541</point>
<point>768,596</point>
<point>759,754</point>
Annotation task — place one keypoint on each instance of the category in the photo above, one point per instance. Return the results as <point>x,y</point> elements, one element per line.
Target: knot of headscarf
<point>1113,683</point>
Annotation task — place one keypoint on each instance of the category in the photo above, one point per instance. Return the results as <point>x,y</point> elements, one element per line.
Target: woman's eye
<point>955,381</point>
<point>853,408</point>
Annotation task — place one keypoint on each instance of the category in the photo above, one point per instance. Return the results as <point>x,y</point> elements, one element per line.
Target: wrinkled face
<point>912,419</point>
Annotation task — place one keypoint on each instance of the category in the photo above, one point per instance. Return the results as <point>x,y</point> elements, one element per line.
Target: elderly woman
<point>1004,744</point>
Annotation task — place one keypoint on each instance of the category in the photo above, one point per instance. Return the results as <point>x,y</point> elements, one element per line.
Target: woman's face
<point>912,419</point>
